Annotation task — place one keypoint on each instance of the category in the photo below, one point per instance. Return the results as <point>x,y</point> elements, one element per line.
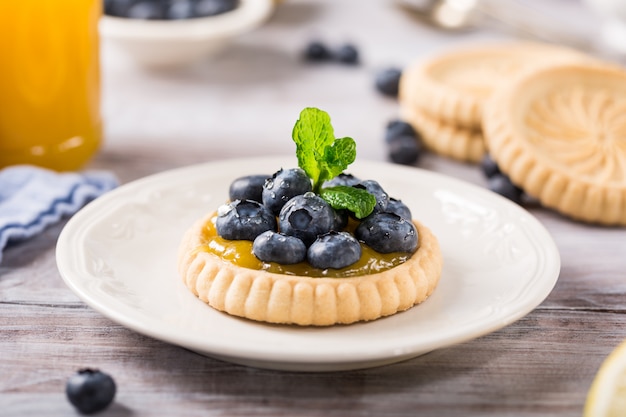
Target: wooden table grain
<point>244,103</point>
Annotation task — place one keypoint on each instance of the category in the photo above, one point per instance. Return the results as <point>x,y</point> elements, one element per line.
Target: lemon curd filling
<point>239,252</point>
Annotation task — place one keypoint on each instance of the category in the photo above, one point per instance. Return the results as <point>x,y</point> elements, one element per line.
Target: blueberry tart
<point>320,247</point>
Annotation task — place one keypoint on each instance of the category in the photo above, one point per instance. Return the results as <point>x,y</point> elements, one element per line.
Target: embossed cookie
<point>303,300</point>
<point>454,86</point>
<point>560,133</point>
<point>443,97</point>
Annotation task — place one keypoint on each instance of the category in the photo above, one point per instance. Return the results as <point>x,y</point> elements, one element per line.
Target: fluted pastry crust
<point>277,298</point>
<point>560,133</point>
<point>456,142</point>
<point>455,85</point>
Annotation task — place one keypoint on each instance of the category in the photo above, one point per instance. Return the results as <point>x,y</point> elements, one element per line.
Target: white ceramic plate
<point>118,254</point>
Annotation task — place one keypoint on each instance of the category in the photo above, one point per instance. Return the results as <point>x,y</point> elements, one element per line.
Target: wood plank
<point>542,364</point>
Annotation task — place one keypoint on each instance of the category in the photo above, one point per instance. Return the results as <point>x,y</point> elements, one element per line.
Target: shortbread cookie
<point>460,143</point>
<point>454,86</point>
<point>560,134</point>
<point>278,298</point>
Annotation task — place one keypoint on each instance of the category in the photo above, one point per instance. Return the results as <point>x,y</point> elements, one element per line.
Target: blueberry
<point>374,188</point>
<point>247,188</point>
<point>387,232</point>
<point>347,54</point>
<point>146,10</point>
<point>334,250</point>
<point>341,220</point>
<point>399,208</point>
<point>306,216</point>
<point>90,390</point>
<point>388,81</point>
<point>180,9</point>
<point>284,185</point>
<point>489,166</point>
<point>397,128</point>
<point>501,184</point>
<point>244,220</point>
<point>342,179</point>
<point>214,7</point>
<point>404,150</point>
<point>117,8</point>
<point>276,247</point>
<point>317,51</point>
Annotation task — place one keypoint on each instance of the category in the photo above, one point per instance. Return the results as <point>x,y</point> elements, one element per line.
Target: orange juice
<point>49,82</point>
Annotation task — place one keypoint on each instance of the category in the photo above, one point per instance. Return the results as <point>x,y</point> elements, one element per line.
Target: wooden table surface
<point>244,103</point>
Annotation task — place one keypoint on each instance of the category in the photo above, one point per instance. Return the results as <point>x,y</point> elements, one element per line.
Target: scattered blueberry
<point>342,179</point>
<point>206,8</point>
<point>244,220</point>
<point>317,51</point>
<point>347,54</point>
<point>388,81</point>
<point>404,150</point>
<point>275,247</point>
<point>399,208</point>
<point>489,166</point>
<point>282,186</point>
<point>306,216</point>
<point>501,184</point>
<point>396,128</point>
<point>90,390</point>
<point>249,187</point>
<point>374,188</point>
<point>387,232</point>
<point>334,250</point>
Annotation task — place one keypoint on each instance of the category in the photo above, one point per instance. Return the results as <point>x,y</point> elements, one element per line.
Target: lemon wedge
<point>607,395</point>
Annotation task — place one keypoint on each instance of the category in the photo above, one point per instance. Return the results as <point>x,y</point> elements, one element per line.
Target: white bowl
<point>171,43</point>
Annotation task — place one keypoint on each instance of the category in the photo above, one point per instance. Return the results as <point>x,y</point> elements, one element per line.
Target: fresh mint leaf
<point>323,157</point>
<point>313,134</point>
<point>337,157</point>
<point>357,200</point>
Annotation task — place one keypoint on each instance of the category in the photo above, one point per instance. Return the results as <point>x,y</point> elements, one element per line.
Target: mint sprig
<point>323,157</point>
<point>358,201</point>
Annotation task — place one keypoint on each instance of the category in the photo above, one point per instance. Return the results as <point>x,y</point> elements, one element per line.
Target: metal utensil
<point>511,16</point>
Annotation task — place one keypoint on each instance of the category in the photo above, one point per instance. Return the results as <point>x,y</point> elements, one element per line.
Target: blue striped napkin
<point>33,198</point>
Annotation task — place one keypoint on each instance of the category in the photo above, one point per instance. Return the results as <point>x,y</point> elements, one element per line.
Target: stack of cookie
<point>443,97</point>
<point>553,120</point>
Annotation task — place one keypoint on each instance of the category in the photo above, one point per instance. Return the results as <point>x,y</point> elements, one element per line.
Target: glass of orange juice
<point>49,83</point>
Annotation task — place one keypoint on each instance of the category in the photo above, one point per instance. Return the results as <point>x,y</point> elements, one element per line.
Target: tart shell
<point>306,301</point>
